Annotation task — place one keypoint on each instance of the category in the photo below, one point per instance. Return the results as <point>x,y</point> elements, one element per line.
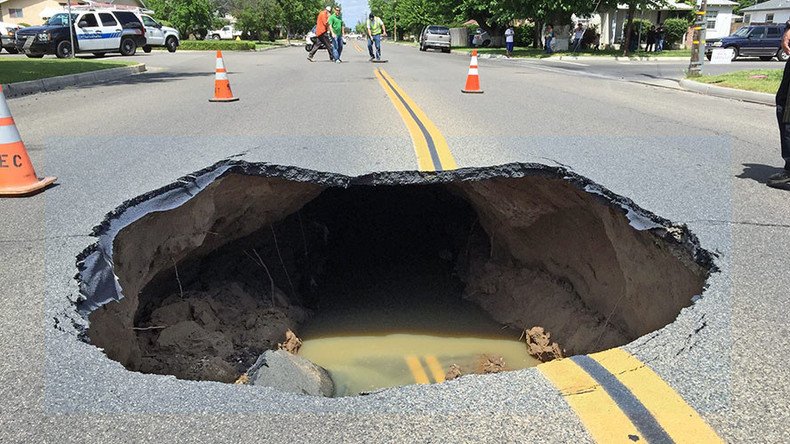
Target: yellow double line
<point>431,148</point>
<point>417,371</point>
<point>619,399</point>
<point>357,47</point>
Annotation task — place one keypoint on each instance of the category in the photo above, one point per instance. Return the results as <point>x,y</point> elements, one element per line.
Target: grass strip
<point>20,70</point>
<point>760,80</point>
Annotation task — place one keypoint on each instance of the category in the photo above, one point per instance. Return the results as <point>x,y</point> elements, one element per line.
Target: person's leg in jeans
<point>784,134</point>
<point>370,49</point>
<point>339,46</point>
<point>330,48</point>
<point>377,39</point>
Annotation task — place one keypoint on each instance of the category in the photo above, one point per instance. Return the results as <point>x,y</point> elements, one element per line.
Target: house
<point>611,23</point>
<point>35,12</point>
<point>772,11</point>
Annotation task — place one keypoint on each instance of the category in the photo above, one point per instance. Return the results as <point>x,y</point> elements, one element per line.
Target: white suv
<point>158,35</point>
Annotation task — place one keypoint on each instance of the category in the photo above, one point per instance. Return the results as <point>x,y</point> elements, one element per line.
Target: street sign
<point>721,56</point>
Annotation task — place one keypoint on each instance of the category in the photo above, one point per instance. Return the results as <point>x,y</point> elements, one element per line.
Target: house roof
<point>770,5</point>
<point>672,5</point>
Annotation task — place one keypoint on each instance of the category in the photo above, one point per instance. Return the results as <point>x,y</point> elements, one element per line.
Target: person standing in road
<point>660,38</point>
<point>322,35</point>
<point>650,39</point>
<point>548,38</point>
<point>781,180</point>
<point>338,31</point>
<point>376,29</point>
<point>509,41</point>
<point>578,35</point>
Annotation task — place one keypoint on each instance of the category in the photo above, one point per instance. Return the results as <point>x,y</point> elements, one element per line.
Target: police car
<point>158,35</point>
<point>95,31</point>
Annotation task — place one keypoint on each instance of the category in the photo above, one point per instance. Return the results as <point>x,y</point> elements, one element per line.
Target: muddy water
<point>368,348</point>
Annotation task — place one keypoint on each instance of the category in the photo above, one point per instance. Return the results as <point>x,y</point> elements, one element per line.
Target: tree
<point>298,16</point>
<point>194,17</point>
<point>257,18</point>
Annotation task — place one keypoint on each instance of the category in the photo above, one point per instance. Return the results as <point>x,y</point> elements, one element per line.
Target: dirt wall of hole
<point>230,208</point>
<point>562,259</point>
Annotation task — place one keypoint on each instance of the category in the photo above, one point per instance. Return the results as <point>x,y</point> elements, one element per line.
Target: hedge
<point>213,45</point>
<point>675,29</point>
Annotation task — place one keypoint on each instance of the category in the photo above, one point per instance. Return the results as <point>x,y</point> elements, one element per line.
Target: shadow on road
<point>152,77</point>
<point>758,172</point>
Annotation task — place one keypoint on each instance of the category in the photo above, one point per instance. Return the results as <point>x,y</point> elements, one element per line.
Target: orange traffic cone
<point>222,92</point>
<point>473,79</point>
<point>17,176</point>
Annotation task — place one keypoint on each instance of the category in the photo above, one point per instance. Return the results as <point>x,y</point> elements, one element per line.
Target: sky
<point>354,11</point>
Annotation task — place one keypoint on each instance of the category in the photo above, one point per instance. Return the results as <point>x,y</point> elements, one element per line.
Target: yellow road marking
<point>435,368</point>
<point>416,370</point>
<point>678,419</point>
<point>594,407</point>
<point>433,154</point>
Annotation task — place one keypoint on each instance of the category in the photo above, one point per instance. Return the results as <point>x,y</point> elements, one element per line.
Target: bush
<point>524,35</point>
<point>675,29</point>
<point>213,45</point>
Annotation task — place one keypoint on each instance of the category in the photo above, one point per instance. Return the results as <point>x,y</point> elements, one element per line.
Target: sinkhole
<point>379,280</point>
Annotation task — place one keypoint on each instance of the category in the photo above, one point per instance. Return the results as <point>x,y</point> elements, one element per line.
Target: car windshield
<point>61,19</point>
<point>743,32</point>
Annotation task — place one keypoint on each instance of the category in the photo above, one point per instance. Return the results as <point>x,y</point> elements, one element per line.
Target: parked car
<point>763,41</point>
<point>437,37</point>
<point>95,31</point>
<point>158,35</point>
<point>227,32</point>
<point>7,33</point>
<point>481,38</point>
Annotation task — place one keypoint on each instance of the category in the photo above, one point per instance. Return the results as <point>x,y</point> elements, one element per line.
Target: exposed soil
<point>211,284</point>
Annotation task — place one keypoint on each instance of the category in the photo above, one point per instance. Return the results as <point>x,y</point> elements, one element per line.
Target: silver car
<point>7,31</point>
<point>435,37</point>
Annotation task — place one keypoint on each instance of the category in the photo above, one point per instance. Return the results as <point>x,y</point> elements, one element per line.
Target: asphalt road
<point>693,159</point>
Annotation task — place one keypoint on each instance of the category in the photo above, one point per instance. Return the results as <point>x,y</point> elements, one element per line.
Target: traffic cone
<point>222,92</point>
<point>17,176</point>
<point>473,79</point>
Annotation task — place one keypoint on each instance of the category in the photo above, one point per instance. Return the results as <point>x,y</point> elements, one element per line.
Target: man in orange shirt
<point>322,36</point>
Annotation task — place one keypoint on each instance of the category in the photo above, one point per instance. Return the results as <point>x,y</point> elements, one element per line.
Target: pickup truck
<point>227,32</point>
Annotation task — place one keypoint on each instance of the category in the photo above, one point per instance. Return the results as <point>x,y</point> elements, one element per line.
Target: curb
<point>625,59</point>
<point>19,89</point>
<point>728,93</point>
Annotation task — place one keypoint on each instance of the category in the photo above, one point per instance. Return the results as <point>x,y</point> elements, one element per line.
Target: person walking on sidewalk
<point>376,29</point>
<point>578,35</point>
<point>660,38</point>
<point>338,31</point>
<point>509,41</point>
<point>548,38</point>
<point>322,36</point>
<point>781,180</point>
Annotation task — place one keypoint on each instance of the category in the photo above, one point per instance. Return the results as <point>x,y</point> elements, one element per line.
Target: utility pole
<point>698,40</point>
<point>71,31</point>
<point>395,18</point>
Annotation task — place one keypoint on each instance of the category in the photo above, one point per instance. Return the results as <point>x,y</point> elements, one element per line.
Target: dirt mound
<point>539,345</point>
<point>214,334</point>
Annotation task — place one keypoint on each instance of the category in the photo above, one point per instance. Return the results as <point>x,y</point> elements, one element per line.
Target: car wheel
<point>422,47</point>
<point>446,50</point>
<point>35,56</point>
<point>215,37</point>
<point>486,43</point>
<point>147,49</point>
<point>63,50</point>
<point>12,50</point>
<point>734,52</point>
<point>128,46</point>
<point>171,43</point>
<point>781,56</point>
<point>98,55</point>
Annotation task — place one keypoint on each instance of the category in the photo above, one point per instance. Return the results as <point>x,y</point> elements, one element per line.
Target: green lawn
<point>20,70</point>
<point>750,80</point>
<point>521,51</point>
